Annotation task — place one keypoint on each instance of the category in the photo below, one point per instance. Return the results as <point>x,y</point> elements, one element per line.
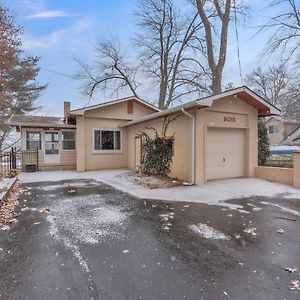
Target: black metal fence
<point>29,160</point>
<point>8,161</point>
<point>21,160</point>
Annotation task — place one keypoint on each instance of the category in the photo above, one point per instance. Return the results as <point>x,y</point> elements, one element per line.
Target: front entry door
<point>52,147</point>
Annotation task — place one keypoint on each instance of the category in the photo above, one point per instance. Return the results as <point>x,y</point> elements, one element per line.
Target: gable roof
<point>283,120</point>
<point>38,121</point>
<point>293,137</point>
<point>81,111</point>
<point>244,93</point>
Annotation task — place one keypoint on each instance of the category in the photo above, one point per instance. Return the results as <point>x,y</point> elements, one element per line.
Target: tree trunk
<point>162,95</point>
<point>216,86</point>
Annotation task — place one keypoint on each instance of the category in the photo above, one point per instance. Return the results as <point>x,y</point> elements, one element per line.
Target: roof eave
<point>81,111</point>
<point>39,125</point>
<point>270,109</point>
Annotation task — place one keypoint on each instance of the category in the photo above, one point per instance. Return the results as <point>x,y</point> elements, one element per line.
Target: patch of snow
<point>292,211</point>
<point>254,207</point>
<point>5,227</point>
<point>295,284</point>
<point>76,220</point>
<point>251,231</point>
<point>54,187</point>
<point>208,232</point>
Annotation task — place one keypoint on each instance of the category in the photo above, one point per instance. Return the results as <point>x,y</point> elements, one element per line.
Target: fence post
<point>37,158</point>
<point>14,158</point>
<point>296,159</point>
<point>11,158</point>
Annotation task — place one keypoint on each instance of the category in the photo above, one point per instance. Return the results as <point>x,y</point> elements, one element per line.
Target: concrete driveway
<point>82,239</point>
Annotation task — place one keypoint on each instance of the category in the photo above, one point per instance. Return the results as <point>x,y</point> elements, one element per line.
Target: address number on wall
<point>230,119</point>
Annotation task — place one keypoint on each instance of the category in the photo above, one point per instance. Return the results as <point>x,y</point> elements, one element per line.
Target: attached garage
<point>214,137</point>
<point>225,153</point>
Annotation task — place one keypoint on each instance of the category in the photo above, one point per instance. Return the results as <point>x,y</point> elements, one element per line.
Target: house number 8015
<point>230,119</point>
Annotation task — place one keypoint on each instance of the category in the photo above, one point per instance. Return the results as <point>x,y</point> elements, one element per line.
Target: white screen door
<point>51,147</point>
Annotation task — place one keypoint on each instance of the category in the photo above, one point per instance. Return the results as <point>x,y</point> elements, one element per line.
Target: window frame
<point>40,139</point>
<point>274,129</point>
<point>104,151</point>
<point>62,140</point>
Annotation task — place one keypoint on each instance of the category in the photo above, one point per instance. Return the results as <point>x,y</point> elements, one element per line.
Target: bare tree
<point>208,12</point>
<point>291,103</point>
<point>271,83</point>
<point>112,70</point>
<point>285,28</point>
<point>166,46</point>
<point>167,42</point>
<point>216,16</point>
<point>279,86</point>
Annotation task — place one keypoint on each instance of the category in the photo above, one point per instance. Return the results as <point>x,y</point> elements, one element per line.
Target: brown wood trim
<point>130,107</point>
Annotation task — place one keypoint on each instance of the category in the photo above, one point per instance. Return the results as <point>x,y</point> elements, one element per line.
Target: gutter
<point>193,144</point>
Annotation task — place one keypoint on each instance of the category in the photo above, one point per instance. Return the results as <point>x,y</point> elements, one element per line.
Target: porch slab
<point>214,192</point>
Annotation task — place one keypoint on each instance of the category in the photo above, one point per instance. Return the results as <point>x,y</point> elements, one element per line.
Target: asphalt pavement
<point>81,239</point>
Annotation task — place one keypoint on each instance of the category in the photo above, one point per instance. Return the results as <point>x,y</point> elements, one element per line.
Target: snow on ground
<point>66,184</point>
<point>208,232</point>
<point>292,211</point>
<point>87,220</point>
<point>213,192</point>
<point>84,220</point>
<point>151,182</point>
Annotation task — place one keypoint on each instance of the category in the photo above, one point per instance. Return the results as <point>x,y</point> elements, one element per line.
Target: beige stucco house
<point>214,137</point>
<point>283,131</point>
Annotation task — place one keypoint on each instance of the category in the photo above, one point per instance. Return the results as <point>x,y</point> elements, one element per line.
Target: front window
<point>272,129</point>
<point>68,140</point>
<point>33,140</point>
<point>107,139</point>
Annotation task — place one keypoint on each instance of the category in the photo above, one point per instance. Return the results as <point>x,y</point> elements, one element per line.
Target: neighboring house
<point>214,137</point>
<point>282,131</point>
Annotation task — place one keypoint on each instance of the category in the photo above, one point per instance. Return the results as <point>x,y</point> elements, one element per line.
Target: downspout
<point>193,144</point>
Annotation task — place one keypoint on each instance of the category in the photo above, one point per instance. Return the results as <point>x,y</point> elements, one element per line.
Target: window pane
<point>33,145</point>
<point>68,145</point>
<point>107,140</point>
<point>68,140</point>
<point>117,140</point>
<point>51,148</point>
<point>48,137</point>
<point>33,140</point>
<point>68,135</point>
<point>271,129</point>
<point>97,140</point>
<point>55,137</point>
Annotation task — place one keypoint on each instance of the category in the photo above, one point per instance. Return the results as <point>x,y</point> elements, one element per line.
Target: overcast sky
<point>59,30</point>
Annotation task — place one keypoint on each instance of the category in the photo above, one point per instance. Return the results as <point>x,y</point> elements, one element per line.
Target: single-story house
<point>283,131</point>
<point>214,137</point>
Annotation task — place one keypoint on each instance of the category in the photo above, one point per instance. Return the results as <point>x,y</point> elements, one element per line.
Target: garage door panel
<point>225,153</point>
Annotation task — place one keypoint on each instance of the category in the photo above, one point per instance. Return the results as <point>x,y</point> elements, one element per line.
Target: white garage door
<point>225,153</point>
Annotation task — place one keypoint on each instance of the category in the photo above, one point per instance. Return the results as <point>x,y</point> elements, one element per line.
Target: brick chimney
<point>67,108</point>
